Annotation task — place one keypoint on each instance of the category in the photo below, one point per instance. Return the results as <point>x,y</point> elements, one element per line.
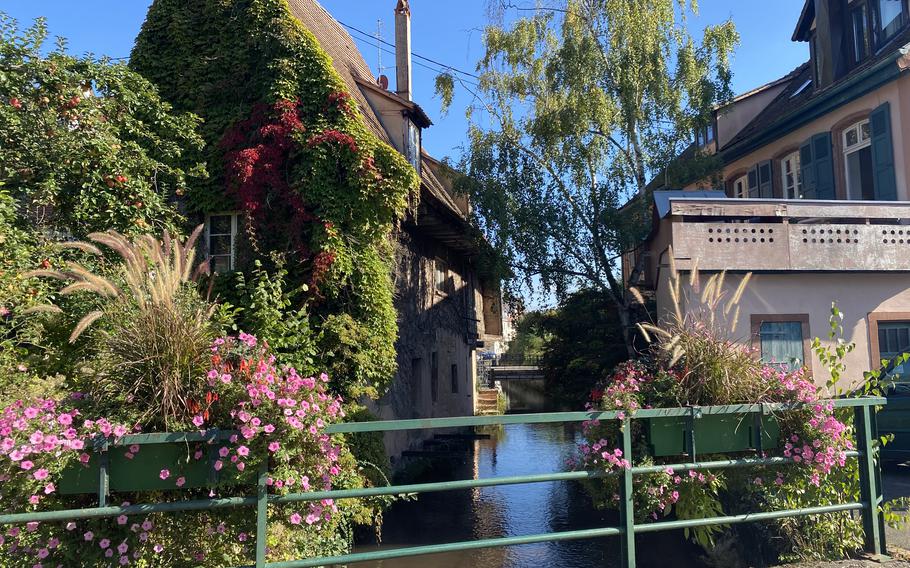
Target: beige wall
<point>896,92</point>
<point>857,295</point>
<point>736,115</point>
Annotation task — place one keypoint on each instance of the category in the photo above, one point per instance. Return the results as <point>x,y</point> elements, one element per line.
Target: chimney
<point>403,49</point>
<point>831,43</point>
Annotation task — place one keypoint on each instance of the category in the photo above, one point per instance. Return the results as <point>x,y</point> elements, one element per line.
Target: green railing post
<point>627,503</point>
<point>262,512</point>
<point>870,479</point>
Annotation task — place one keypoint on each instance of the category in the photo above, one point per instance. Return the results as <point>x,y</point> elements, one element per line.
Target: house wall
<point>896,92</point>
<point>429,322</point>
<point>735,116</point>
<point>861,297</point>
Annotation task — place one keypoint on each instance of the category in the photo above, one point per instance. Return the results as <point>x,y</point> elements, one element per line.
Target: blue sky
<point>445,31</point>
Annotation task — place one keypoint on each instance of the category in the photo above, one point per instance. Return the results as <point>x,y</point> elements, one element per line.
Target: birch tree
<point>576,108</point>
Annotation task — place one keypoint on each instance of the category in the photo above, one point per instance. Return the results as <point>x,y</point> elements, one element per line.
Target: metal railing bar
<point>560,536</point>
<point>196,505</point>
<point>749,517</point>
<point>447,547</point>
<point>142,509</point>
<point>551,417</point>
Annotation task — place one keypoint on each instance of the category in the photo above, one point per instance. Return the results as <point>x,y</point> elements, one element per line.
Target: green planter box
<point>714,434</point>
<point>143,471</point>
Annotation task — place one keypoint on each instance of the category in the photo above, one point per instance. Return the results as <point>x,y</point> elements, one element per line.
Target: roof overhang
<point>410,108</point>
<point>865,81</point>
<point>804,24</point>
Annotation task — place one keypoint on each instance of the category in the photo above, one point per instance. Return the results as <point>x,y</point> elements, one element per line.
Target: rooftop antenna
<point>381,79</point>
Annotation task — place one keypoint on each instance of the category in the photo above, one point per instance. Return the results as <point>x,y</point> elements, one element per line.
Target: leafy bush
<point>583,342</point>
<point>88,145</point>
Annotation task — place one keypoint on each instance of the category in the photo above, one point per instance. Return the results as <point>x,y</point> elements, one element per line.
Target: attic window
<point>801,88</point>
<point>412,143</point>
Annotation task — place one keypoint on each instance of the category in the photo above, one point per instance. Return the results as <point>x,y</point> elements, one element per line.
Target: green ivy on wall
<point>287,145</point>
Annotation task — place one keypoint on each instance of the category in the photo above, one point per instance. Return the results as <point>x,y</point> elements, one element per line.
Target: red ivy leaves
<point>333,137</point>
<point>256,155</point>
<point>342,101</point>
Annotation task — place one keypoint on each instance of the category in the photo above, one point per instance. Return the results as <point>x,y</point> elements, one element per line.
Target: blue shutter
<point>884,181</point>
<point>782,343</point>
<point>824,166</point>
<point>807,169</point>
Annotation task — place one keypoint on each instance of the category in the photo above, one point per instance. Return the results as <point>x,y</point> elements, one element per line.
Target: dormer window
<point>704,135</point>
<point>412,143</point>
<point>873,23</point>
<point>859,18</point>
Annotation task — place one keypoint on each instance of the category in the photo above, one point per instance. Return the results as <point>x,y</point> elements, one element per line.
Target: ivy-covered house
<point>812,192</point>
<point>312,157</point>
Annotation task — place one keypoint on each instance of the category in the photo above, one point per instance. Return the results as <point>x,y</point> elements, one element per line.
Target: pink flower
<point>218,465</point>
<point>40,474</point>
<point>88,536</point>
<point>198,421</point>
<point>104,543</point>
<point>181,481</point>
<point>243,451</point>
<point>273,446</point>
<point>295,519</point>
<point>26,465</point>
<point>164,474</point>
<point>121,520</point>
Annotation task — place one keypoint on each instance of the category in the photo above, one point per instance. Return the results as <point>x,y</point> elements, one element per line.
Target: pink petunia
<point>165,473</point>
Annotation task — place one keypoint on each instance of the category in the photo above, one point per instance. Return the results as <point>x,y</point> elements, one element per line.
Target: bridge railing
<point>516,361</point>
<point>866,448</point>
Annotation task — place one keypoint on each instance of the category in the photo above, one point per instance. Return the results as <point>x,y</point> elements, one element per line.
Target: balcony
<point>778,235</point>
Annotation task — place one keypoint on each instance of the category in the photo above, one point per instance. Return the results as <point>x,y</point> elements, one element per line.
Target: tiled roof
<point>346,58</point>
<point>350,64</point>
<point>791,100</point>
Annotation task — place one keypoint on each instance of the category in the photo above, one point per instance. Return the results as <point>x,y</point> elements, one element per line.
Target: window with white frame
<point>220,241</point>
<point>791,177</point>
<point>858,161</point>
<point>741,187</point>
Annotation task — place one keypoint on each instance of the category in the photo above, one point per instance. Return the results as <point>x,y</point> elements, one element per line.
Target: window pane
<point>890,13</point>
<point>893,338</point>
<point>864,130</point>
<point>221,263</point>
<point>851,137</point>
<point>220,225</point>
<point>220,244</point>
<point>859,33</point>
<point>782,343</point>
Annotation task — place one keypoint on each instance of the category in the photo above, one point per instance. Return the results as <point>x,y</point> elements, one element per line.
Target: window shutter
<point>753,182</point>
<point>765,180</point>
<point>884,181</point>
<point>807,169</point>
<point>824,166</point>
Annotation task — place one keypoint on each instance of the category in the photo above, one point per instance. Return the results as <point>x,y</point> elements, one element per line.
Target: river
<point>513,510</point>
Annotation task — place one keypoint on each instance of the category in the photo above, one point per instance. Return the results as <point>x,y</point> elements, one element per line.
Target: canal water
<point>513,510</point>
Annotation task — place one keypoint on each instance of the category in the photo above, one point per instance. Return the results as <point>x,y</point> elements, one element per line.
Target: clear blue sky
<point>446,31</point>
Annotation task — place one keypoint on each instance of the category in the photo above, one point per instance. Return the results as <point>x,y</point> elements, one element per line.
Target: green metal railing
<point>866,448</point>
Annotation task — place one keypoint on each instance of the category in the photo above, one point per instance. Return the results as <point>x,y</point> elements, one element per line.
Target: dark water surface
<point>513,510</point>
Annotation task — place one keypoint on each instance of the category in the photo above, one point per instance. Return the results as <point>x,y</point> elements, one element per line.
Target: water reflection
<point>512,510</point>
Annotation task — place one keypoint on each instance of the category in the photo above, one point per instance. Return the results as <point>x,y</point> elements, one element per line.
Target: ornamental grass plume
<point>697,339</point>
<point>157,329</point>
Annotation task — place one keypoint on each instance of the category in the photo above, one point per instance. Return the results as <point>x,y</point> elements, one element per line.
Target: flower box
<point>714,434</point>
<point>143,471</point>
